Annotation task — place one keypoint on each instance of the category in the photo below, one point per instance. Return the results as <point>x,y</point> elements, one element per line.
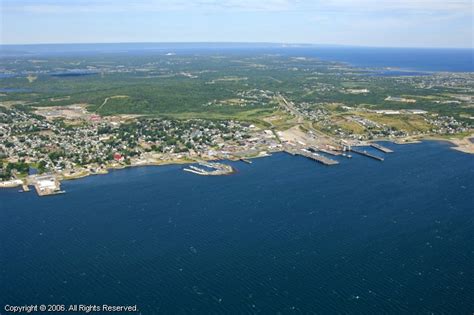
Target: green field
<point>201,86</point>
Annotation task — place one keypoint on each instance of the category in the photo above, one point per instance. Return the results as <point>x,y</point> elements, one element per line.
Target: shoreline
<point>463,145</point>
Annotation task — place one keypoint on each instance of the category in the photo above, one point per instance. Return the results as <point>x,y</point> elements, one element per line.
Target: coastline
<point>464,145</point>
<point>120,167</point>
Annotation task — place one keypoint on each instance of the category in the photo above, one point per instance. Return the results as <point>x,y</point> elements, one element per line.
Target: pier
<point>245,161</point>
<point>330,152</point>
<point>381,148</point>
<point>313,156</point>
<point>370,155</point>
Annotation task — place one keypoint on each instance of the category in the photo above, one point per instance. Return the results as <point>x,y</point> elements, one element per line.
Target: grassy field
<point>216,87</point>
<point>409,123</point>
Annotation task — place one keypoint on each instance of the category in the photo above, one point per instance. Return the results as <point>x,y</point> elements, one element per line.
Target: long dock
<point>313,156</point>
<point>330,152</point>
<point>245,160</point>
<point>381,148</point>
<point>364,152</point>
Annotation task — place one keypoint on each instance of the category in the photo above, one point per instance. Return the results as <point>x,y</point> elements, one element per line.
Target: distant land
<point>69,111</point>
<point>425,59</point>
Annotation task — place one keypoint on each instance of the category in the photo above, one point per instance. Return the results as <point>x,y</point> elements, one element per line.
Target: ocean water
<point>284,235</point>
<point>411,59</point>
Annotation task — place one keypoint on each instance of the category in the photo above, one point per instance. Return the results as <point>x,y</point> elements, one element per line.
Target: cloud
<point>367,22</point>
<point>404,6</point>
<point>408,6</point>
<point>56,6</point>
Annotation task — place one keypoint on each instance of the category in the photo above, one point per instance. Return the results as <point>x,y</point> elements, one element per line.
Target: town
<point>66,118</point>
<point>44,146</point>
<point>67,151</point>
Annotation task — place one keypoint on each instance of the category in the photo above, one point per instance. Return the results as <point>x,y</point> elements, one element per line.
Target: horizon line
<point>234,43</point>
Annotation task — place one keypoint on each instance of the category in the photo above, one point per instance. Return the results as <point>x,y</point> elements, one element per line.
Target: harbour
<point>210,169</point>
<point>49,184</point>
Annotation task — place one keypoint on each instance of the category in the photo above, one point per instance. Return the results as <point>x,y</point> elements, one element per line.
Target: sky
<point>385,23</point>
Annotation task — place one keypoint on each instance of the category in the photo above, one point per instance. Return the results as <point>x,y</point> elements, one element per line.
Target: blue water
<point>14,90</point>
<point>284,234</point>
<point>398,73</point>
<point>78,73</point>
<point>414,59</point>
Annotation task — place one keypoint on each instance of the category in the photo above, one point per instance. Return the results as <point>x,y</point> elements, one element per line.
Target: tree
<point>42,166</point>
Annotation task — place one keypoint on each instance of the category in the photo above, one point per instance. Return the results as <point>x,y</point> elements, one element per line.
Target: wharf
<point>364,152</point>
<point>47,185</point>
<point>381,148</point>
<point>330,152</point>
<point>313,156</point>
<point>246,161</point>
